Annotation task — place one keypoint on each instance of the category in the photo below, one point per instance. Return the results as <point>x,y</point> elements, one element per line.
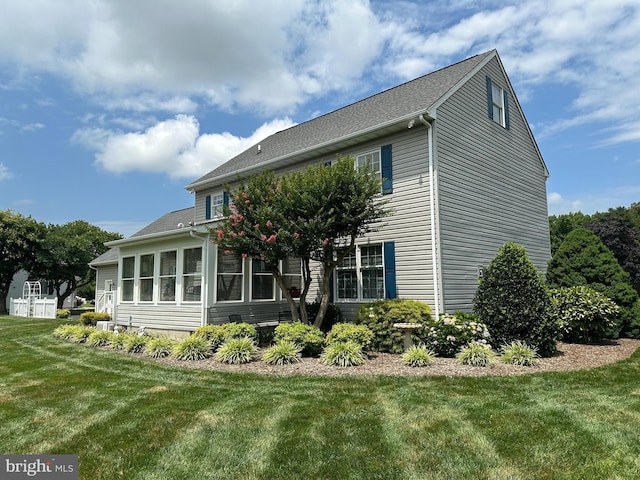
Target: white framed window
<point>360,276</point>
<point>217,205</point>
<point>369,161</point>
<point>497,98</point>
<point>167,278</point>
<point>262,282</point>
<point>229,278</point>
<point>192,274</point>
<point>145,280</point>
<point>128,273</point>
<point>292,275</point>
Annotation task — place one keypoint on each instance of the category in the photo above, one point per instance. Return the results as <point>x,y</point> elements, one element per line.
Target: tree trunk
<point>295,316</point>
<point>3,302</point>
<point>324,301</point>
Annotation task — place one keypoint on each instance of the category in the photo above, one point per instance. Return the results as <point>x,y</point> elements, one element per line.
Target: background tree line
<point>59,254</point>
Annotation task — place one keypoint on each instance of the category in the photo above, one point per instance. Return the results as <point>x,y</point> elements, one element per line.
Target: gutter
<point>434,227</point>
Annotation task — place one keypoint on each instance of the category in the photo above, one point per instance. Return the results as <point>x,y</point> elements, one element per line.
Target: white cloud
<point>174,147</point>
<point>5,174</point>
<point>558,205</point>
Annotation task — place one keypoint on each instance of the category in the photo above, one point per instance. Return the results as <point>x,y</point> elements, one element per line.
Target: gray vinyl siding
<point>186,317</point>
<point>103,273</point>
<point>491,188</point>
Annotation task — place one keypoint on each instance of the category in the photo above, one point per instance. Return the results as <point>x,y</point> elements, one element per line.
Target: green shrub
<point>582,259</point>
<point>213,334</point>
<point>237,351</point>
<point>192,348</point>
<point>308,338</point>
<point>418,356</point>
<point>118,340</point>
<point>134,343</point>
<point>379,317</point>
<point>63,313</point>
<point>331,317</point>
<point>64,332</point>
<point>239,330</point>
<point>282,353</point>
<point>519,353</point>
<point>513,303</point>
<point>476,354</point>
<point>584,315</point>
<point>80,333</point>
<point>92,318</point>
<point>99,338</point>
<point>349,332</point>
<point>342,354</point>
<point>159,347</point>
<point>449,333</point>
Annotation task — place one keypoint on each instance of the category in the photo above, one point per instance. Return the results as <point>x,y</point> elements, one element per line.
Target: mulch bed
<point>570,356</point>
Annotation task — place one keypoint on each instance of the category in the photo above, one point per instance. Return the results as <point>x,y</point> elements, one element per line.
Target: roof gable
<point>410,98</point>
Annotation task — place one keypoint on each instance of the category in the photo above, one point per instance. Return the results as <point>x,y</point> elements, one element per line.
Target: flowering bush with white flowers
<point>447,335</point>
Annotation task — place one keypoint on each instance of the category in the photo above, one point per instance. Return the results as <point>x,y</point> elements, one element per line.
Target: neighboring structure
<point>16,289</point>
<point>460,168</point>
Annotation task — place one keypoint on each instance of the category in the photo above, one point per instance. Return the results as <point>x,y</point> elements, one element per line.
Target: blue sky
<point>109,108</point>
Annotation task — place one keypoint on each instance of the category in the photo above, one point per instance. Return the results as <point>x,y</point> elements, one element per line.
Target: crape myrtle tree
<point>315,215</point>
<point>20,239</point>
<point>66,252</point>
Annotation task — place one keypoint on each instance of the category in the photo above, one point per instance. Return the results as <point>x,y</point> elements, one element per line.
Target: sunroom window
<point>229,278</point>
<point>145,282</point>
<point>192,274</point>
<point>168,276</point>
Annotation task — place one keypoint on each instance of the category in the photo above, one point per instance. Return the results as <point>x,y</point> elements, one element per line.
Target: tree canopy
<point>65,253</point>
<point>20,239</point>
<point>315,215</point>
<point>583,259</point>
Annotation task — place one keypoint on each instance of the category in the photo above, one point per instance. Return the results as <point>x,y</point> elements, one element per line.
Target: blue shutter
<point>389,250</point>
<point>207,213</point>
<point>506,109</point>
<point>387,170</point>
<point>225,198</point>
<point>331,287</point>
<point>489,99</point>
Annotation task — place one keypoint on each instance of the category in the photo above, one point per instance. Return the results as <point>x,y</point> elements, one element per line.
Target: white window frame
<point>125,280</point>
<point>184,275</point>
<point>359,269</point>
<point>172,274</point>
<point>497,99</point>
<point>146,278</point>
<point>239,274</point>
<point>260,274</point>
<point>217,205</point>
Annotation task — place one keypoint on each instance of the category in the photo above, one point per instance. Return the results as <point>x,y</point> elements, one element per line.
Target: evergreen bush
<point>332,316</point>
<point>582,259</point>
<point>308,338</point>
<point>380,316</point>
<point>349,332</point>
<point>92,318</point>
<point>513,303</point>
<point>213,334</point>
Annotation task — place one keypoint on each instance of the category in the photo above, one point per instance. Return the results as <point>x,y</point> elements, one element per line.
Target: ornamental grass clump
<point>446,335</point>
<point>519,353</point>
<point>476,354</point>
<point>134,343</point>
<point>99,338</point>
<point>237,351</point>
<point>159,347</point>
<point>418,356</point>
<point>191,348</point>
<point>64,332</point>
<point>282,353</point>
<point>80,333</point>
<point>343,354</point>
<point>118,340</point>
<point>309,339</point>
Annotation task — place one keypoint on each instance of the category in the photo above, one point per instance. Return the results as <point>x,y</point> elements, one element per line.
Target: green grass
<point>128,417</point>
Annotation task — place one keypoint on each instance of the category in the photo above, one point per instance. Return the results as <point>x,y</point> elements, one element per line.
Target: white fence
<point>39,308</point>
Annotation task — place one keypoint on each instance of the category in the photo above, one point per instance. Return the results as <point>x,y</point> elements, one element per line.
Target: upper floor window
<point>370,162</point>
<point>214,205</point>
<point>367,273</point>
<point>497,103</point>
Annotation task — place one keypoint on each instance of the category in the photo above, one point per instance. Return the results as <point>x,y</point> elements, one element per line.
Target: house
<point>462,172</point>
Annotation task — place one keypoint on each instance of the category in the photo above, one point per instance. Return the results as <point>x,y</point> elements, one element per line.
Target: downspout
<point>205,273</point>
<point>434,227</point>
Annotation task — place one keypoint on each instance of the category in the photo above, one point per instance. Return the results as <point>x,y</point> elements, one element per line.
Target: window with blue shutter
<point>207,207</point>
<point>497,104</point>
<point>387,170</point>
<point>390,270</point>
<point>489,98</point>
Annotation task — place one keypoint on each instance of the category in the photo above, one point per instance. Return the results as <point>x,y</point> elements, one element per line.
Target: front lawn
<point>135,419</point>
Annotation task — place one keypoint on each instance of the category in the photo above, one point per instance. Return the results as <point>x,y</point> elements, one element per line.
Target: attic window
<point>498,105</point>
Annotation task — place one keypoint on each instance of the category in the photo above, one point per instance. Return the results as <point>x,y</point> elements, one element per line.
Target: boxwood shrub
<point>307,338</point>
<point>92,318</point>
<point>349,332</point>
<point>380,316</point>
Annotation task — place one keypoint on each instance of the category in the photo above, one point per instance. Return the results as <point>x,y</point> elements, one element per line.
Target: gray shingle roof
<point>168,222</point>
<point>415,96</point>
<point>108,257</point>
